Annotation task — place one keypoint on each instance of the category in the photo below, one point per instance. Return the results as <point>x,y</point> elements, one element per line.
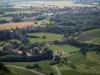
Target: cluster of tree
<point>11,34</point>
<point>85,47</point>
<point>1,12</point>
<point>80,21</point>
<point>17,19</point>
<point>22,15</point>
<point>54,29</point>
<point>4,70</point>
<point>8,9</point>
<point>4,21</point>
<point>13,58</point>
<point>40,18</point>
<point>34,66</point>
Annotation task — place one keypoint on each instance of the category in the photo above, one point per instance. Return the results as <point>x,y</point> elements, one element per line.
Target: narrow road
<point>58,70</point>
<point>39,73</point>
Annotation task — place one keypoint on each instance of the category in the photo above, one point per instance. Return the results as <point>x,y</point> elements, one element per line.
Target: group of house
<point>31,52</point>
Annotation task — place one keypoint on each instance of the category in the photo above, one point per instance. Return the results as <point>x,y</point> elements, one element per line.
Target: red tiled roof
<point>60,51</point>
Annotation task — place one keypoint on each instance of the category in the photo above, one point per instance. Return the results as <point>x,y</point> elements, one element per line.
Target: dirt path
<point>39,73</point>
<point>58,70</point>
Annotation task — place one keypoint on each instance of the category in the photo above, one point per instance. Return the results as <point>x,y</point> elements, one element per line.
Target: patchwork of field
<point>14,25</point>
<point>49,4</point>
<point>37,37</point>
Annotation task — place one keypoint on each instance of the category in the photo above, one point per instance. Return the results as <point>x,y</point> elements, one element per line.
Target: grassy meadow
<point>49,37</point>
<point>66,48</point>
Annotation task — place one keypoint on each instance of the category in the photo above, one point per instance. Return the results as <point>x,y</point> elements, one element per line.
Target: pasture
<point>14,25</point>
<point>66,48</point>
<point>37,37</point>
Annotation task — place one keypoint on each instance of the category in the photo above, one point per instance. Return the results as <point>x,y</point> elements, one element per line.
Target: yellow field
<point>14,25</point>
<point>50,4</point>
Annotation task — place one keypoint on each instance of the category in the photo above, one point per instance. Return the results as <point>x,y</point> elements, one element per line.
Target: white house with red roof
<point>60,52</point>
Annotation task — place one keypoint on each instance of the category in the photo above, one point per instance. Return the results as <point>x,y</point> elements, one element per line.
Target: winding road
<point>39,73</point>
<point>58,70</point>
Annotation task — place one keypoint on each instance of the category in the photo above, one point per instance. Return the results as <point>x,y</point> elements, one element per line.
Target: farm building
<point>60,52</point>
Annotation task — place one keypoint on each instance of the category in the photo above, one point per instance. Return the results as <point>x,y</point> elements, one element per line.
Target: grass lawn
<point>66,48</point>
<point>49,37</point>
<point>45,67</point>
<point>17,71</point>
<point>88,35</point>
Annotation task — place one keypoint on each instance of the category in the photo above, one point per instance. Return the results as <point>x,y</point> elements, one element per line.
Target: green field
<point>49,37</point>
<point>66,48</point>
<point>45,67</point>
<point>17,71</point>
<point>88,35</point>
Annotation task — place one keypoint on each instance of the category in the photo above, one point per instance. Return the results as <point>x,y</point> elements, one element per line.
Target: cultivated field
<point>37,37</point>
<point>14,25</point>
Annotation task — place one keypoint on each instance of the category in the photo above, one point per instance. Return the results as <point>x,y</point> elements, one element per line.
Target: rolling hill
<point>91,36</point>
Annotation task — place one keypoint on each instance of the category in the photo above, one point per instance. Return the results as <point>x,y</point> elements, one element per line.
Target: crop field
<point>50,4</point>
<point>66,48</point>
<point>17,71</point>
<point>14,25</point>
<point>37,37</point>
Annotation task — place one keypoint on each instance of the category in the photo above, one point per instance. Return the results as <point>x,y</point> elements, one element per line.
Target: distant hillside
<point>8,1</point>
<point>87,1</point>
<point>91,36</point>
